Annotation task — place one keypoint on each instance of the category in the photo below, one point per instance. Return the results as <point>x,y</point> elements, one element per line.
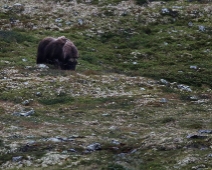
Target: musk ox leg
<point>57,64</point>
<point>41,58</point>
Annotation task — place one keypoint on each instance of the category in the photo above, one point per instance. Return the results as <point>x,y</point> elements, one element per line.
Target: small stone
<point>68,23</point>
<point>133,151</point>
<point>80,22</point>
<point>59,25</point>
<point>75,136</point>
<point>28,163</point>
<point>105,114</point>
<point>76,13</point>
<point>198,167</point>
<point>54,140</point>
<point>26,102</point>
<point>194,67</point>
<point>205,131</point>
<point>5,6</point>
<point>17,4</point>
<point>183,87</point>
<point>42,66</point>
<point>44,165</point>
<point>190,24</point>
<point>58,20</point>
<point>115,142</point>
<point>72,150</point>
<point>38,94</point>
<point>112,128</point>
<point>17,158</point>
<point>164,11</point>
<point>193,98</point>
<point>165,82</point>
<point>94,147</point>
<point>163,100</point>
<point>122,155</point>
<point>196,136</point>
<point>27,113</point>
<point>34,27</point>
<point>201,28</point>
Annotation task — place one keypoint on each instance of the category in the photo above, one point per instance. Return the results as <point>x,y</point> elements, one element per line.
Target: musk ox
<point>60,52</point>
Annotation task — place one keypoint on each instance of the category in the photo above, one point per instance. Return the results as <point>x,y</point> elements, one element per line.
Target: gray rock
<point>202,28</point>
<point>133,151</point>
<point>195,136</point>
<point>59,25</point>
<point>105,114</point>
<point>29,113</point>
<point>80,21</point>
<point>165,11</point>
<point>18,7</point>
<point>76,13</point>
<point>68,23</point>
<point>38,94</point>
<point>184,87</point>
<point>116,142</point>
<point>26,102</point>
<point>60,139</point>
<point>122,155</point>
<point>194,98</point>
<point>205,131</point>
<point>72,150</point>
<point>165,43</point>
<point>190,24</point>
<point>94,147</point>
<point>58,20</point>
<point>52,158</point>
<point>165,82</point>
<point>199,167</point>
<point>163,100</point>
<point>194,67</point>
<point>54,140</point>
<point>5,6</point>
<point>17,158</point>
<point>42,66</point>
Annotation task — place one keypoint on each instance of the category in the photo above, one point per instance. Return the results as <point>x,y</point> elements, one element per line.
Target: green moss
<point>57,100</point>
<point>168,120</point>
<point>114,167</point>
<point>13,36</point>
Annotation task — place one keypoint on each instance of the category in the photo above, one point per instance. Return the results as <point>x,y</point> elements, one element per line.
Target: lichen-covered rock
<point>52,158</point>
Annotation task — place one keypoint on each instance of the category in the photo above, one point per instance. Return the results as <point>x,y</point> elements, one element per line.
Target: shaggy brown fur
<point>60,52</point>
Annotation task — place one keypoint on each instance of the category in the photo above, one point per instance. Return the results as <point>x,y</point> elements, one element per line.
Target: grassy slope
<point>151,134</point>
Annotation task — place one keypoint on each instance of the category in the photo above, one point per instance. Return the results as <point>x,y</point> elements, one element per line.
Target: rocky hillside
<point>139,99</point>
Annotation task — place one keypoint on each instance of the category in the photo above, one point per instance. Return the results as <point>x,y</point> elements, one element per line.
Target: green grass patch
<point>57,100</point>
<point>13,36</point>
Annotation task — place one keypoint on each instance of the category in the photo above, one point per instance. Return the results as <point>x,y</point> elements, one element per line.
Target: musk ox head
<point>60,52</point>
